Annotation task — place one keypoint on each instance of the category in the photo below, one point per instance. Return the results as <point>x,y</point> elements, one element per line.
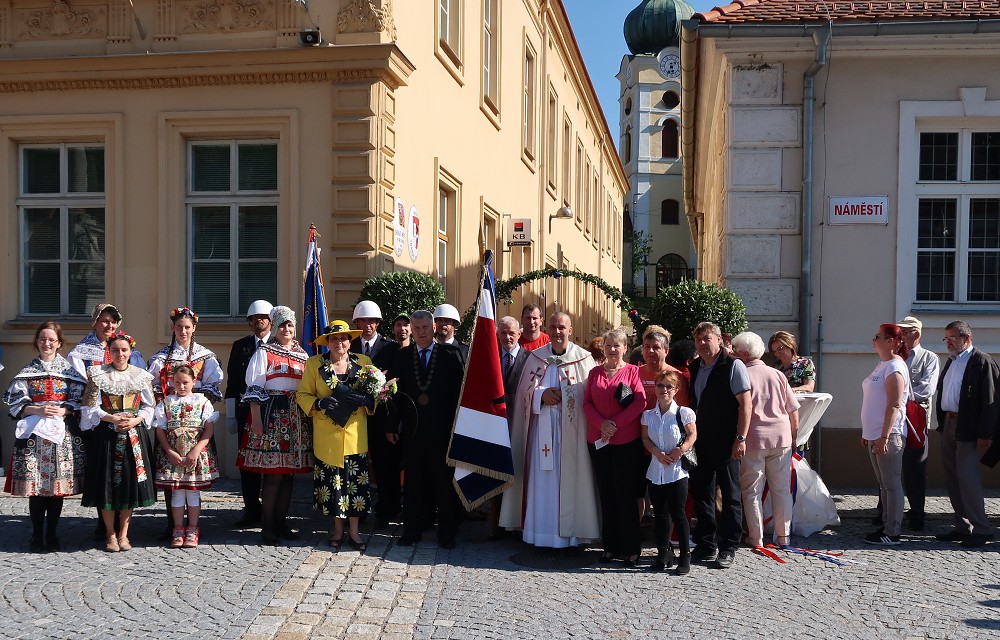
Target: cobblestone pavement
<point>232,588</point>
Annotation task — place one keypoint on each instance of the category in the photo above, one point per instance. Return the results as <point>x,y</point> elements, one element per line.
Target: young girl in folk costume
<point>184,422</point>
<point>278,443</point>
<point>49,460</point>
<point>207,374</point>
<point>118,406</point>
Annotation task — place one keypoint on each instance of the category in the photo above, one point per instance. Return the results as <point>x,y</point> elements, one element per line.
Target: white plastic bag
<point>814,508</point>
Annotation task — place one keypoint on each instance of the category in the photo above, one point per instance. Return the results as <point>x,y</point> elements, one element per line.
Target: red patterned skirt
<point>286,445</point>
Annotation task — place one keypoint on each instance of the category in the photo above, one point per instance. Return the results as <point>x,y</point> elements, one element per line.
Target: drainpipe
<point>822,39</point>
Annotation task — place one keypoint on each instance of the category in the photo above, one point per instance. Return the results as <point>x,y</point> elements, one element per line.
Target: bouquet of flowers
<point>366,386</point>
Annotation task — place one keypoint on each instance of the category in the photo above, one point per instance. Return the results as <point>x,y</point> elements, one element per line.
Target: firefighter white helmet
<point>259,308</point>
<point>447,311</point>
<point>367,309</point>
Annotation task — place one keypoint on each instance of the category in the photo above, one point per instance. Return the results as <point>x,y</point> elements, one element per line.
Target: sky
<point>597,25</point>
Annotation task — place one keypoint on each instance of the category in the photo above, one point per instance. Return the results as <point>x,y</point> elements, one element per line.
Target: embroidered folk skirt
<point>286,445</point>
<point>40,467</point>
<point>342,492</point>
<point>119,469</point>
<point>200,476</point>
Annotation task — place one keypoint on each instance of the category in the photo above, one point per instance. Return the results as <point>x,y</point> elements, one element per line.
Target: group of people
<point>591,440</point>
<point>898,402</point>
<point>595,440</point>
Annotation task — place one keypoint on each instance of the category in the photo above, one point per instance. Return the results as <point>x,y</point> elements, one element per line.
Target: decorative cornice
<point>362,16</point>
<point>176,82</point>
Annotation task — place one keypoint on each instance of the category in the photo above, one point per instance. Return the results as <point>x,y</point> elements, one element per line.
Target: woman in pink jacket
<point>613,401</point>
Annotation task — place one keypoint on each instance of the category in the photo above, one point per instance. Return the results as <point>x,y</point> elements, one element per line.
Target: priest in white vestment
<point>553,500</point>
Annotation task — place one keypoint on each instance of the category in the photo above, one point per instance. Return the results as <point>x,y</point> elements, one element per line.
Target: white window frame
<point>529,104</point>
<point>447,213</point>
<point>939,116</point>
<point>234,199</point>
<point>491,59</point>
<point>448,34</point>
<point>63,200</point>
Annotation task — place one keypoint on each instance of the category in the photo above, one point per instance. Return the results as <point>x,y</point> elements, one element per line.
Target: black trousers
<point>249,481</point>
<point>717,468</point>
<point>668,506</point>
<point>615,472</point>
<point>429,489</point>
<point>386,461</point>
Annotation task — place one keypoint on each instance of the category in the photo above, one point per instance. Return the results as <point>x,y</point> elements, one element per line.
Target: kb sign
<point>519,232</point>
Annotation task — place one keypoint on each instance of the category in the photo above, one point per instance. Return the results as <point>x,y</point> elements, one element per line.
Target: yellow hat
<point>336,327</point>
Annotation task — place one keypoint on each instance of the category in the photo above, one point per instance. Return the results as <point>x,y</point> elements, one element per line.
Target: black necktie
<point>260,343</point>
<point>424,355</point>
<point>368,349</point>
<point>506,363</point>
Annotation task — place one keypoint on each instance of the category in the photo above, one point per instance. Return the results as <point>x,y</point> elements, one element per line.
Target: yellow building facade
<point>175,152</point>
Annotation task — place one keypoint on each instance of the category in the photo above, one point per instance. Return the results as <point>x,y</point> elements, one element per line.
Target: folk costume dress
<point>49,457</point>
<point>91,352</point>
<point>119,465</point>
<point>340,480</point>
<point>207,369</point>
<point>273,377</point>
<point>183,421</point>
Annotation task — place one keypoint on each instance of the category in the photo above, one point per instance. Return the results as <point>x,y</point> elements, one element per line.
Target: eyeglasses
<point>952,338</point>
<point>665,387</point>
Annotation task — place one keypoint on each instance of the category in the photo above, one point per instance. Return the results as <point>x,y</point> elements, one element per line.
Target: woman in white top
<point>883,427</point>
<point>668,480</point>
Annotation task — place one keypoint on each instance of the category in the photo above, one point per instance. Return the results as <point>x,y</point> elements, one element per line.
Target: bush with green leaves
<point>680,307</point>
<point>401,292</point>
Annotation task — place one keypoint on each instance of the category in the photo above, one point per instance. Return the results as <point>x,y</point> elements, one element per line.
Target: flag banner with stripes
<point>314,297</point>
<point>480,442</point>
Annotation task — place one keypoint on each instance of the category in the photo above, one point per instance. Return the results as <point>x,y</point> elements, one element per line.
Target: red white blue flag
<point>480,440</point>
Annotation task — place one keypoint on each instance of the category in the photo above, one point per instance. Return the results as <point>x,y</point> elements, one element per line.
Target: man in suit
<point>429,376</point>
<point>512,359</point>
<point>446,321</point>
<point>259,319</point>
<point>384,455</point>
<point>967,414</point>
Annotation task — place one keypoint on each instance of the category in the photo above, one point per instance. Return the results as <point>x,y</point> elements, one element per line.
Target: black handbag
<point>624,395</point>
<point>689,459</point>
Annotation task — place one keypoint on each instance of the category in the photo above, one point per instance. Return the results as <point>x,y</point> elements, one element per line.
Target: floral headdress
<point>180,312</point>
<point>120,335</point>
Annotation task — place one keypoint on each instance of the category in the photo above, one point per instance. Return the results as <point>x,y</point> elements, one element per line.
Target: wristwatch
<point>741,438</point>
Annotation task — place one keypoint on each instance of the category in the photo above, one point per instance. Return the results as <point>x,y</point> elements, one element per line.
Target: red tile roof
<point>850,11</point>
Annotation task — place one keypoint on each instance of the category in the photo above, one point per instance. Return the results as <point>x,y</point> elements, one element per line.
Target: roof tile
<point>797,11</point>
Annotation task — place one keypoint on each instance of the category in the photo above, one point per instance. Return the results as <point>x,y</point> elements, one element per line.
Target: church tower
<point>649,143</point>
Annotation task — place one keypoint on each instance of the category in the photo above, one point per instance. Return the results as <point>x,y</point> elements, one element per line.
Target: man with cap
<point>237,413</point>
<point>446,321</point>
<point>92,351</point>
<point>923,366</point>
<point>384,455</point>
<point>401,330</point>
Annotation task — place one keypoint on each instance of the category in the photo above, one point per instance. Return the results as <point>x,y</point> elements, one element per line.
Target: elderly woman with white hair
<point>774,421</point>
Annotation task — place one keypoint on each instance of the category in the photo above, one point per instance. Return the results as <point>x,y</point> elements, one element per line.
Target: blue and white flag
<point>314,298</point>
<point>480,442</point>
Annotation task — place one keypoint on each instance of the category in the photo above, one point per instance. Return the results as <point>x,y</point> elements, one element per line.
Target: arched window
<point>670,143</point>
<point>670,269</point>
<point>670,212</point>
<point>627,146</point>
<point>628,106</point>
<point>671,100</point>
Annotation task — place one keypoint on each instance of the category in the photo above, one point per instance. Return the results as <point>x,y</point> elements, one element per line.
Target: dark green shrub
<point>680,307</point>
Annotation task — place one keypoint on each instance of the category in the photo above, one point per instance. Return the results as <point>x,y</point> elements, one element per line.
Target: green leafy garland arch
<point>506,288</point>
